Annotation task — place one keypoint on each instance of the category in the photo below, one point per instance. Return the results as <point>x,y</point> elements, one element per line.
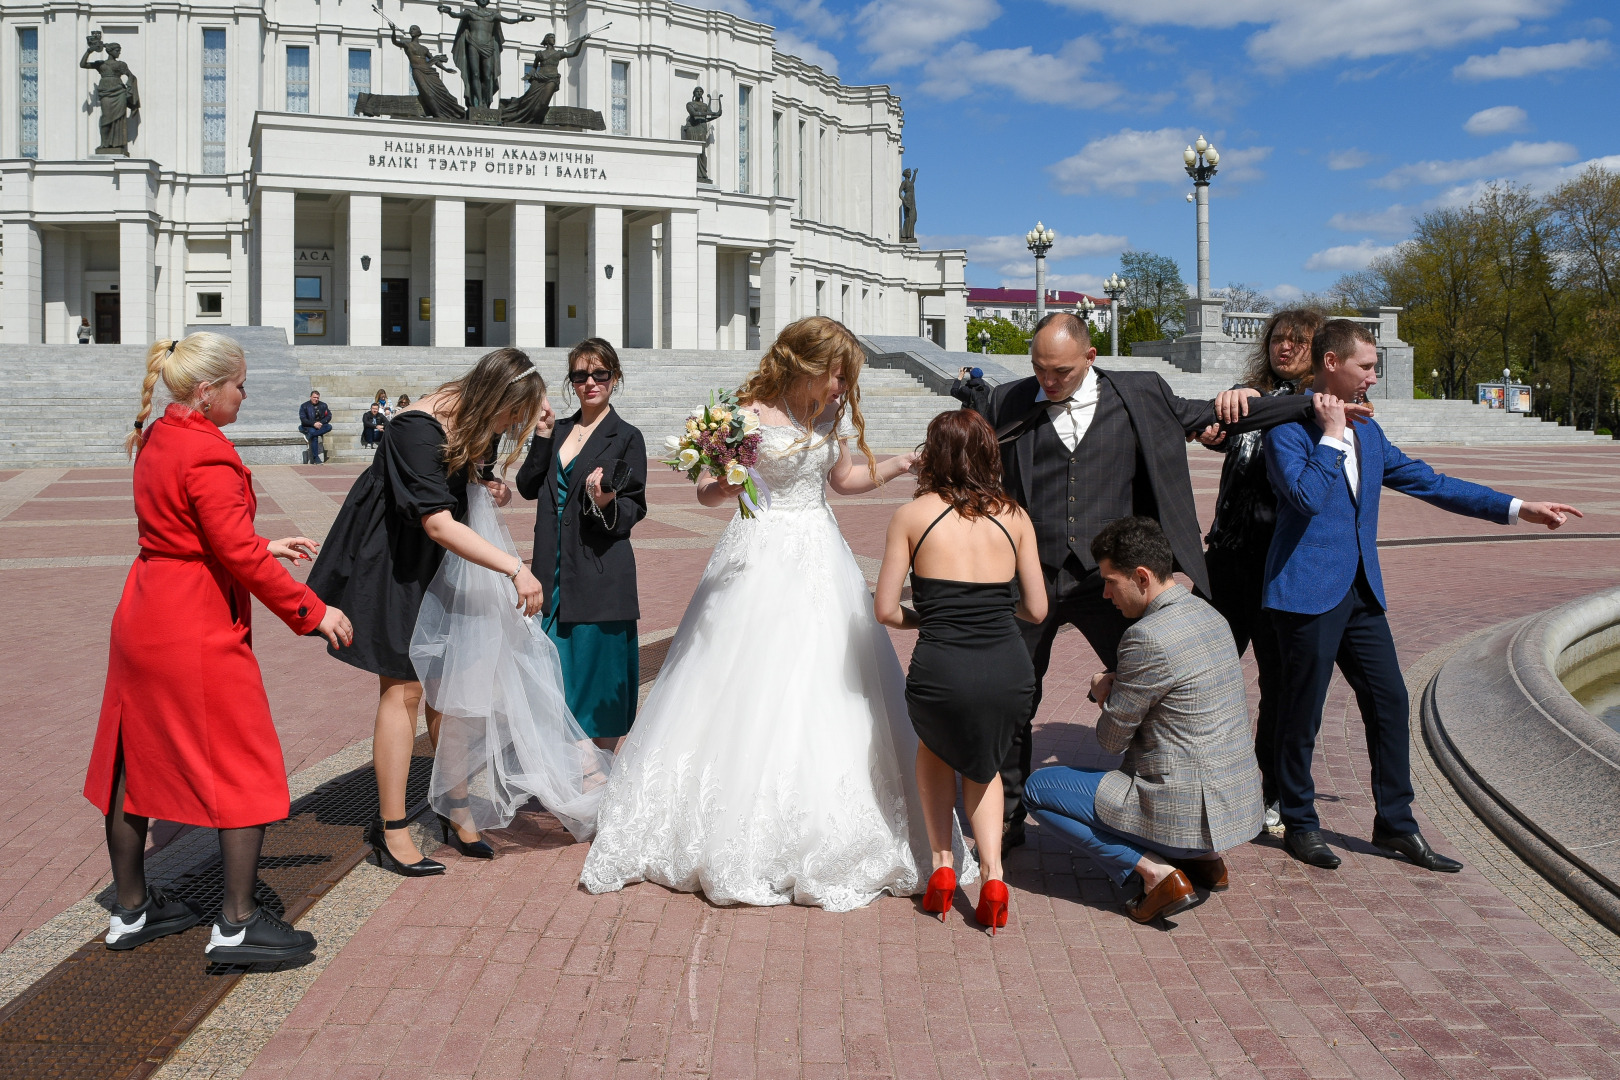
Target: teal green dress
<point>601,662</point>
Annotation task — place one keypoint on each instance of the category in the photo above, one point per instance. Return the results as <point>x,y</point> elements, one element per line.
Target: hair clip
<point>138,425</point>
<point>172,343</point>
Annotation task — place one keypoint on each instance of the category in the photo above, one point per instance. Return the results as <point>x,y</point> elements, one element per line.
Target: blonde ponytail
<point>185,365</point>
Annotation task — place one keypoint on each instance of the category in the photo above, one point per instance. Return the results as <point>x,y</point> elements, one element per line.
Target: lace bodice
<point>795,469</point>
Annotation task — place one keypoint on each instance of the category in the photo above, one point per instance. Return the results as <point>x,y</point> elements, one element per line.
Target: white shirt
<point>1071,418</point>
<point>1352,469</point>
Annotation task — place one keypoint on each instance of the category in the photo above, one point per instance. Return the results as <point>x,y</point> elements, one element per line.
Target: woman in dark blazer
<point>582,540</point>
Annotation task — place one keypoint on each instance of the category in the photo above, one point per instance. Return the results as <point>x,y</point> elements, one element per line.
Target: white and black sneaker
<point>160,916</point>
<point>263,938</point>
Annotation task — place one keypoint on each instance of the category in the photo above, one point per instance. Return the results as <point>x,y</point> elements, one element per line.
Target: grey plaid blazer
<point>1178,712</point>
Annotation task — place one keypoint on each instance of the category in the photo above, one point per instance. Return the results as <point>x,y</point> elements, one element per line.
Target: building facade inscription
<point>409,155</point>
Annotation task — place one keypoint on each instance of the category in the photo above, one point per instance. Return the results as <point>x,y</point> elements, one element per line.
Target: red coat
<point>184,692</point>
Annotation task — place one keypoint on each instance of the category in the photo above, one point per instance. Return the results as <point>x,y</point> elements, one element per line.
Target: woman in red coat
<point>185,732</point>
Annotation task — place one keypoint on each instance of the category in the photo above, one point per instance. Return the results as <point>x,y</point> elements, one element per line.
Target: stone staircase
<point>71,405</point>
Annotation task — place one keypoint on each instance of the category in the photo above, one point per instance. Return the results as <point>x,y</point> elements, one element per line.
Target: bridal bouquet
<point>722,439</point>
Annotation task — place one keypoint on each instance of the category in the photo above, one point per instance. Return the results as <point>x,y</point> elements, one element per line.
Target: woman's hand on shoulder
<point>294,548</point>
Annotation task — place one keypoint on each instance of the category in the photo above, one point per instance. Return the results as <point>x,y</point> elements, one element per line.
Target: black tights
<point>126,847</point>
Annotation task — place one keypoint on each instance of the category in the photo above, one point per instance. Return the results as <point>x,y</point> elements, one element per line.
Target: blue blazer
<point>1323,534</point>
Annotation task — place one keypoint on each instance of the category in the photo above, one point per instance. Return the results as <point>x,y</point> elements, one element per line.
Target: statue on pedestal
<point>699,114</point>
<point>120,99</point>
<point>544,79</point>
<point>477,51</point>
<point>437,101</point>
<point>908,206</point>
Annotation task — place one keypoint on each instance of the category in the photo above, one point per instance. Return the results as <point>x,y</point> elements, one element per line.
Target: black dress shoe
<point>1414,847</point>
<point>1012,835</point>
<point>1307,846</point>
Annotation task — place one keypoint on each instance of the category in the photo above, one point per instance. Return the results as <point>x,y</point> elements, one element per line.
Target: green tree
<point>1006,336</point>
<point>1153,286</point>
<point>1138,326</point>
<point>1437,276</point>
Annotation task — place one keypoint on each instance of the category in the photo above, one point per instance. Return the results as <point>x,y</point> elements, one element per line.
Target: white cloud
<point>1215,96</point>
<point>1512,62</point>
<point>1049,78</point>
<point>903,32</point>
<point>792,44</point>
<point>1086,283</point>
<point>1391,221</point>
<point>1009,257</point>
<point>1299,33</point>
<point>1512,160</point>
<point>1285,293</point>
<point>1347,256</point>
<point>1348,159</point>
<point>1128,159</point>
<point>1497,120</point>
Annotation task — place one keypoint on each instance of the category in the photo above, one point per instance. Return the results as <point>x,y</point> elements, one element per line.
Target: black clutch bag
<point>616,475</point>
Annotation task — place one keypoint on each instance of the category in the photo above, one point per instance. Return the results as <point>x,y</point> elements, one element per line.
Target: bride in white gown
<point>773,761</point>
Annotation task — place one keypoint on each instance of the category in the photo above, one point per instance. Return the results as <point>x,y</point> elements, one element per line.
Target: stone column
<point>73,282</point>
<point>775,292</point>
<point>137,306</point>
<point>638,259</point>
<point>741,277</point>
<point>708,284</point>
<point>604,261</point>
<point>527,308</point>
<point>956,319</point>
<point>275,249</point>
<point>53,286</point>
<point>448,259</point>
<point>365,282</point>
<point>680,284</point>
<point>23,295</point>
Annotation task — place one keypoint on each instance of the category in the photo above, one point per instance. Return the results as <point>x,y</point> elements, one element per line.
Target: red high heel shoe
<point>941,887</point>
<point>992,909</point>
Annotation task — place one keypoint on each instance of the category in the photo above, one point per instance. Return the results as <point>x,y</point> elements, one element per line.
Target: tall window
<point>621,97</point>
<point>745,96</point>
<point>804,211</point>
<point>776,153</point>
<point>213,101</point>
<point>297,75</point>
<point>359,75</point>
<point>28,92</point>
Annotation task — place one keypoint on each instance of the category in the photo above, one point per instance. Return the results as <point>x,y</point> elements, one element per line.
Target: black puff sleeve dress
<point>377,561</point>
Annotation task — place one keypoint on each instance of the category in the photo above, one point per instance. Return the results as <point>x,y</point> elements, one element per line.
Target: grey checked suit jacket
<point>1179,713</point>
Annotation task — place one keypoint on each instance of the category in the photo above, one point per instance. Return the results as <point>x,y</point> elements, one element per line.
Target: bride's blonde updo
<point>811,349</point>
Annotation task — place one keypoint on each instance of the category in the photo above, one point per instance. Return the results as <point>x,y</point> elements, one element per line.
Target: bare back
<point>961,549</point>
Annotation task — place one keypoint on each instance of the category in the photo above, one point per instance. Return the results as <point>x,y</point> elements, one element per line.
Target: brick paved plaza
<point>507,969</point>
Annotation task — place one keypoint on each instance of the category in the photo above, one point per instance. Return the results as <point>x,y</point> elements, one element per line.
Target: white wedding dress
<point>774,761</point>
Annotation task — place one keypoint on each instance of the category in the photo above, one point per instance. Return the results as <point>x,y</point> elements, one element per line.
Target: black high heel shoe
<point>478,849</point>
<point>424,867</point>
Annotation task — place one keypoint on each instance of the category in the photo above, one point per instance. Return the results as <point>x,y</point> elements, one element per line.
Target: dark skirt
<point>971,681</point>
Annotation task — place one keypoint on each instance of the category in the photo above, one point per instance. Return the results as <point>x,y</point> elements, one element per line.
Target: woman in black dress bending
<point>383,550</point>
<point>971,680</point>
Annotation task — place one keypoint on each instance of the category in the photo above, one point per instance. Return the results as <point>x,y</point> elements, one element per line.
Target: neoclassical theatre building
<point>252,193</point>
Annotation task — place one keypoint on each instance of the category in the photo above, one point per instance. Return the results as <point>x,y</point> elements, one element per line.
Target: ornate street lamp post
<point>1434,382</point>
<point>1201,159</point>
<point>1040,240</point>
<point>984,342</point>
<point>1115,288</point>
<point>1087,309</point>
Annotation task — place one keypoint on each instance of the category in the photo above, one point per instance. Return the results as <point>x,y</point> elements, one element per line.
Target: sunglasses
<point>601,375</point>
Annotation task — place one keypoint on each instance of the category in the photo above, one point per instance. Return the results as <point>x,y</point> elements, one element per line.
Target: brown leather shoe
<point>1172,895</point>
<point>1205,873</point>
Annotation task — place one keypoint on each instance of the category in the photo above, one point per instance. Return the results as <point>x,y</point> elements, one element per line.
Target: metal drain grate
<point>100,1015</point>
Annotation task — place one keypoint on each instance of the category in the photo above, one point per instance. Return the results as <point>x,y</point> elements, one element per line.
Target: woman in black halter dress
<point>971,681</point>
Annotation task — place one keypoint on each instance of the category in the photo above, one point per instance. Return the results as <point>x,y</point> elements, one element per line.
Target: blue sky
<point>1337,120</point>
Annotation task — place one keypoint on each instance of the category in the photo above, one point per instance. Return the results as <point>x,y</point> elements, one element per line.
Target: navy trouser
<point>313,433</point>
<point>1355,636</point>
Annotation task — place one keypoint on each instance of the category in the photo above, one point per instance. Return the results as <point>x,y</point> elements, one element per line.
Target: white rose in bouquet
<point>736,475</point>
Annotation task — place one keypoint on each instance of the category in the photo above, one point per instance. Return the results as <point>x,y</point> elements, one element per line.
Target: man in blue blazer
<point>1326,593</point>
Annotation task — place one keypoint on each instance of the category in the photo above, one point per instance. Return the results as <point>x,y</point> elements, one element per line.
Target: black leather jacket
<point>1246,507</point>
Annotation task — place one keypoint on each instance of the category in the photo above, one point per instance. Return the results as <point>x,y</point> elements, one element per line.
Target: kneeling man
<point>1189,787</point>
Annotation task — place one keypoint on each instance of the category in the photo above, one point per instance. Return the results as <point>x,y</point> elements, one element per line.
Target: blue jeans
<point>1065,801</point>
<point>313,434</point>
